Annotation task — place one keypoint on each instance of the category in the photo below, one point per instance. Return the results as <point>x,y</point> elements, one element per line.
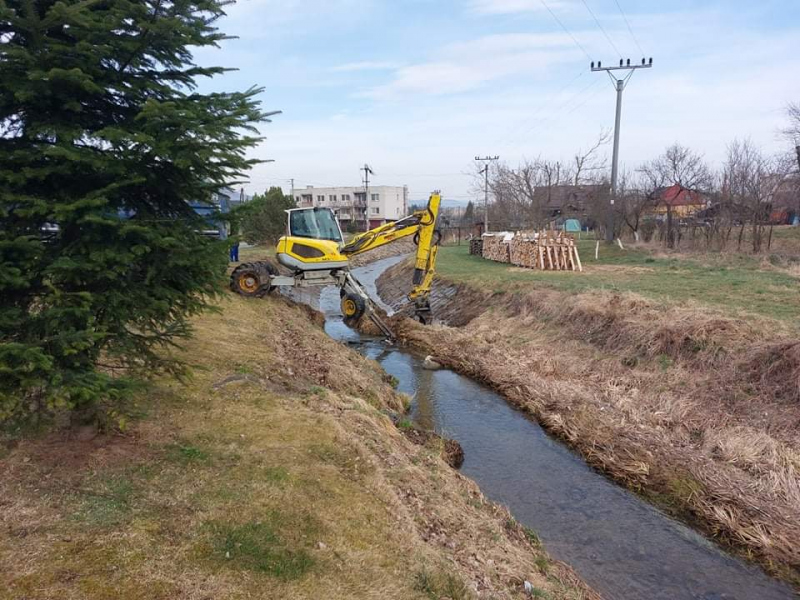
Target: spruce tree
<point>104,140</point>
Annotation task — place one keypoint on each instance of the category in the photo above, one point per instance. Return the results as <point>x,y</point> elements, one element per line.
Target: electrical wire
<point>536,113</point>
<point>630,29</point>
<point>564,27</point>
<point>543,123</point>
<point>605,33</point>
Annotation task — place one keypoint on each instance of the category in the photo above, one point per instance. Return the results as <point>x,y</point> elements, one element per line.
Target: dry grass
<point>697,410</point>
<point>274,473</point>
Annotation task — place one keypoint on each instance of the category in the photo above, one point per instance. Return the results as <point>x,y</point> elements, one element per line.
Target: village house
<point>680,201</point>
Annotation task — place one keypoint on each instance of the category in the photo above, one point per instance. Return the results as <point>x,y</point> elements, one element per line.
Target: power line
<point>577,43</point>
<point>530,121</point>
<point>605,33</point>
<point>630,29</point>
<point>544,122</point>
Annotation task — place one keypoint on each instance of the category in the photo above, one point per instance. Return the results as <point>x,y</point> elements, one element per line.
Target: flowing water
<point>620,545</point>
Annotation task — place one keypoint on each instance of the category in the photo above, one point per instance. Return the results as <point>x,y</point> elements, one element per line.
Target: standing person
<point>235,251</point>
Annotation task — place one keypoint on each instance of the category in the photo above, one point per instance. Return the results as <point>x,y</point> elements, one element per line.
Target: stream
<point>620,545</point>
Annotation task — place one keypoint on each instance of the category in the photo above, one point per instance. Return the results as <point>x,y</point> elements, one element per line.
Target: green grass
<point>441,584</point>
<point>187,453</point>
<point>734,282</point>
<point>259,546</point>
<point>108,504</point>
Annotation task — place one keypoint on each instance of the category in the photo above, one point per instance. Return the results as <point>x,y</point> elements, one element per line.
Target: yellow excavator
<point>314,250</point>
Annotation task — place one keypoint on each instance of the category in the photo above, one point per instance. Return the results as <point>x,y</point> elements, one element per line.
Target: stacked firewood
<point>545,250</point>
<point>476,247</point>
<point>495,248</point>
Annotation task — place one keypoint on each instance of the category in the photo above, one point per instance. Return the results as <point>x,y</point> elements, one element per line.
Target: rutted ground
<point>275,472</point>
<point>696,410</point>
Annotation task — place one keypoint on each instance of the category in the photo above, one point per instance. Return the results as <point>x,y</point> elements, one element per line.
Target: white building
<point>386,203</point>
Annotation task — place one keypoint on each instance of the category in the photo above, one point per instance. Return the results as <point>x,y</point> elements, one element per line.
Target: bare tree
<point>523,195</point>
<point>753,179</point>
<point>589,162</point>
<point>633,201</point>
<point>792,131</point>
<point>677,165</point>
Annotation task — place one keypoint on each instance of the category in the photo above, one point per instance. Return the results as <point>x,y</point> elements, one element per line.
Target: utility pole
<point>485,173</point>
<point>292,180</point>
<point>619,85</point>
<point>367,172</point>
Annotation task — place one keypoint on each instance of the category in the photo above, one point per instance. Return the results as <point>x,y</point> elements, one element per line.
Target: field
<point>737,283</point>
<point>274,472</point>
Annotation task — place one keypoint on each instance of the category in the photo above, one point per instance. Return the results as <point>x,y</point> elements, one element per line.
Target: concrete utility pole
<point>619,85</point>
<point>292,180</point>
<point>367,172</point>
<point>485,173</point>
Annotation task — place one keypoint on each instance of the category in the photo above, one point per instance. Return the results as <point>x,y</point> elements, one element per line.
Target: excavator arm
<point>422,225</point>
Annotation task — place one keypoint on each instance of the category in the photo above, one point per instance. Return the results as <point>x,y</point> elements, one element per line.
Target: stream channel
<point>620,545</point>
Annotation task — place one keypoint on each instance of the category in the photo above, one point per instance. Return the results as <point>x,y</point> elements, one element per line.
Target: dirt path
<point>698,412</point>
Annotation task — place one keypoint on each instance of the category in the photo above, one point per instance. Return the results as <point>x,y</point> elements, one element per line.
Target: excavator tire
<point>253,279</point>
<point>353,307</point>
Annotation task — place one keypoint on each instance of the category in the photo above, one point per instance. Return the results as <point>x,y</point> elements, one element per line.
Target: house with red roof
<point>681,201</point>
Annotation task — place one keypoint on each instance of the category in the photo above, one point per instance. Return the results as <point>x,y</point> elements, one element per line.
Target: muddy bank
<point>677,404</point>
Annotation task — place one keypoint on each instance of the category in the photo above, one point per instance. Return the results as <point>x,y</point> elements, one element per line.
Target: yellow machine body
<point>305,254</point>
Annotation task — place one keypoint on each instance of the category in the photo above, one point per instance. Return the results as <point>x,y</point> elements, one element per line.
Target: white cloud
<point>465,66</point>
<point>366,65</point>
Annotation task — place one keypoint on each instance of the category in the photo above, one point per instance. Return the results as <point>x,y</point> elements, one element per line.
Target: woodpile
<point>545,250</point>
<point>495,247</point>
<point>476,247</point>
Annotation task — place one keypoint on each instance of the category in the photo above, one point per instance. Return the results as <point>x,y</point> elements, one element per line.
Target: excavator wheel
<point>252,279</point>
<point>353,307</point>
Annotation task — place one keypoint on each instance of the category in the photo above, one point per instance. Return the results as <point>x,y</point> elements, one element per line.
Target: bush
<point>263,219</point>
<point>103,142</point>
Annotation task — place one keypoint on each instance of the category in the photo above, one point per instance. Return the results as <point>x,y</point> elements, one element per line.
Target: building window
<point>332,198</point>
<point>320,198</point>
<point>376,197</point>
<point>298,199</point>
<point>375,210</point>
<point>345,197</point>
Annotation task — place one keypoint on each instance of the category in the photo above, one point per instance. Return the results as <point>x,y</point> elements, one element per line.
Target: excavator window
<point>319,224</point>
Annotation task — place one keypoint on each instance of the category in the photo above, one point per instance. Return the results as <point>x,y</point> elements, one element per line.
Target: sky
<point>418,88</point>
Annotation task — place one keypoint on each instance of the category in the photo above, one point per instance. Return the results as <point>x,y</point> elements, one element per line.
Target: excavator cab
<point>312,242</point>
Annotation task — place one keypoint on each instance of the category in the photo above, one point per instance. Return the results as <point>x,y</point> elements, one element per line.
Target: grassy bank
<point>694,408</point>
<point>739,283</point>
<point>275,472</point>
